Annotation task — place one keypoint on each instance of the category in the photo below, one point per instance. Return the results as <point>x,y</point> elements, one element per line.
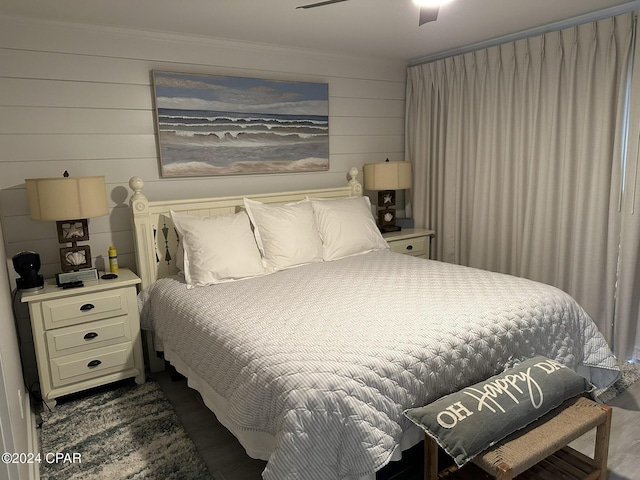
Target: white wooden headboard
<point>156,239</point>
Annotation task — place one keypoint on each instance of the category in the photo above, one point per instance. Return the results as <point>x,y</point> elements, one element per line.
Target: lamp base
<point>84,275</point>
<point>75,258</point>
<point>387,220</point>
<point>389,228</point>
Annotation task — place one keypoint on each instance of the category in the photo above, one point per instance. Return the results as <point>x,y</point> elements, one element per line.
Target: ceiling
<point>383,28</point>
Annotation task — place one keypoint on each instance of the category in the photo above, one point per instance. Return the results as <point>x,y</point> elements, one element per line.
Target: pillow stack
<point>347,227</point>
<point>269,238</point>
<point>287,235</point>
<point>217,249</point>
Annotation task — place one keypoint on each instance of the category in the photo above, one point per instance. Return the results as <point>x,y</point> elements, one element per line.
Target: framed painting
<point>220,125</point>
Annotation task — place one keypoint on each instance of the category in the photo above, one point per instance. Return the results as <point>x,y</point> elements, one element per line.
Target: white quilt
<point>326,357</point>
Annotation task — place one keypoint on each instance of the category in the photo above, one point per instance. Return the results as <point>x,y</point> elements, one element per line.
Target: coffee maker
<point>27,265</point>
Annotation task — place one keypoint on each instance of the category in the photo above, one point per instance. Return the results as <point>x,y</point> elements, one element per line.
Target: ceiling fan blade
<point>320,4</point>
<point>428,14</point>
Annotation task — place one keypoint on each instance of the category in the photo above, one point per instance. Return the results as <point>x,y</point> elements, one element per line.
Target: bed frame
<point>156,238</point>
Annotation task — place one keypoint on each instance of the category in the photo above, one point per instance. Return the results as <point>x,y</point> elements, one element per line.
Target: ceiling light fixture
<point>429,9</point>
<point>431,3</point>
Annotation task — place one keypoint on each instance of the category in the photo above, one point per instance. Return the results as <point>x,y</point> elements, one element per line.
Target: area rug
<point>128,432</point>
<point>629,374</point>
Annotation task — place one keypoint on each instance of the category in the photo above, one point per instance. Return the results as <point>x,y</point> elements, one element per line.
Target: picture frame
<point>386,217</point>
<point>213,125</point>
<point>72,230</point>
<point>387,198</point>
<point>75,258</point>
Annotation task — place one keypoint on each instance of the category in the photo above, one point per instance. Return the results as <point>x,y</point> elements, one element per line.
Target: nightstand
<point>410,241</point>
<point>86,336</point>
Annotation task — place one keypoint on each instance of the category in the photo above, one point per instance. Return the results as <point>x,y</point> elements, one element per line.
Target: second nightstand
<point>410,241</point>
<point>87,336</point>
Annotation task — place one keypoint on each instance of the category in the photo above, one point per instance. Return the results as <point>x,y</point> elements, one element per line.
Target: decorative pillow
<point>347,227</point>
<point>287,235</point>
<point>467,422</point>
<point>217,249</point>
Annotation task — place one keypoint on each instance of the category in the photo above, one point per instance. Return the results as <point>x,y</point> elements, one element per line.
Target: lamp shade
<point>387,176</point>
<point>66,198</point>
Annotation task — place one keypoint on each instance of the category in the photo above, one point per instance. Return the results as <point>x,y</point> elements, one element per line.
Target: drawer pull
<point>90,336</point>
<point>87,306</point>
<point>409,247</point>
<point>93,363</point>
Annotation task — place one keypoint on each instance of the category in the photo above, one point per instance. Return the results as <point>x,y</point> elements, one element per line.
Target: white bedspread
<point>325,357</point>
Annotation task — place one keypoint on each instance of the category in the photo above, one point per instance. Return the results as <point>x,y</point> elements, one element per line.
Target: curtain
<point>516,151</point>
<point>626,332</point>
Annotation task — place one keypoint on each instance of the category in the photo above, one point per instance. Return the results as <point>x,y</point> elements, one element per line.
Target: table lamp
<point>69,201</point>
<point>386,178</point>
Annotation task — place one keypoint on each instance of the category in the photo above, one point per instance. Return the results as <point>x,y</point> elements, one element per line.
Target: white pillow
<point>287,235</point>
<point>180,257</point>
<point>217,249</point>
<point>347,227</point>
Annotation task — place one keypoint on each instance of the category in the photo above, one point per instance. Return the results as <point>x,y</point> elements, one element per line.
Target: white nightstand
<point>86,336</point>
<point>410,241</point>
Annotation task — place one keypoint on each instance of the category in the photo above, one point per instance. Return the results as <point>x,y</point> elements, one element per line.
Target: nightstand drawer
<point>411,246</point>
<point>87,336</point>
<point>84,308</point>
<point>87,365</point>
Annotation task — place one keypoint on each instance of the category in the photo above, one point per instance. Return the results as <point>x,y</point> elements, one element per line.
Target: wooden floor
<point>227,460</point>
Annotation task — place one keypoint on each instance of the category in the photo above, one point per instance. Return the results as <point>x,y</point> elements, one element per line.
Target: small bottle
<point>113,259</point>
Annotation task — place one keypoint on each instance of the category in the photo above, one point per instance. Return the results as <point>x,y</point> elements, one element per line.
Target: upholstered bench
<point>540,450</point>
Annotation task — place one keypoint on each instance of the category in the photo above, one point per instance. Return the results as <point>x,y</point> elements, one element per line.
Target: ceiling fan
<point>428,9</point>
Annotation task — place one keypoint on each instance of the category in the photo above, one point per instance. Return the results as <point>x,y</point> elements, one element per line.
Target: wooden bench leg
<point>430,458</point>
<point>601,451</point>
<point>504,472</point>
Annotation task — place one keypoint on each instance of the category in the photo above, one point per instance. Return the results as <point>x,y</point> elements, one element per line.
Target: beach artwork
<point>220,125</point>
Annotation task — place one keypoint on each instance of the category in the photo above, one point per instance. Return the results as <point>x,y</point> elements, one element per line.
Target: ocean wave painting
<point>219,125</point>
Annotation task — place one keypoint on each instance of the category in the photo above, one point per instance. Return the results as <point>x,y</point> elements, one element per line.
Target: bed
<point>311,363</point>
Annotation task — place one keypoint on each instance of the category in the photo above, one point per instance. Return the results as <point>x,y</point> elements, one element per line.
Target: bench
<point>540,450</point>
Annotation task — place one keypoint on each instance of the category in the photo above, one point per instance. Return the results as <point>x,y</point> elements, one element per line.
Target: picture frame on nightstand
<point>75,258</point>
<point>386,218</point>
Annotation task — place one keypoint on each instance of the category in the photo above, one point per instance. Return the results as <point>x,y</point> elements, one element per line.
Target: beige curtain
<point>517,154</point>
<point>626,331</point>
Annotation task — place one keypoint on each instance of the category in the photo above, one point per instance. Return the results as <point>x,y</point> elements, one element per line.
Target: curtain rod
<point>531,32</point>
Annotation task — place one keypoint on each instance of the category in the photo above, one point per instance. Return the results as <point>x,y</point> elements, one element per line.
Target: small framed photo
<point>75,258</point>
<point>386,217</point>
<point>387,198</point>
<point>72,231</point>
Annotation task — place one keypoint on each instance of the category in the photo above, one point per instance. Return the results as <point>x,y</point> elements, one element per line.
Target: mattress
<point>320,361</point>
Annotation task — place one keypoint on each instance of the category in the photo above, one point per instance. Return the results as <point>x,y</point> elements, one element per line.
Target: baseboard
<point>33,440</point>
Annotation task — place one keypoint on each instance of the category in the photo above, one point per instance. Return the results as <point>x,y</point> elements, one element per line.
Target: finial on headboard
<point>136,184</point>
<point>138,201</point>
<point>356,186</point>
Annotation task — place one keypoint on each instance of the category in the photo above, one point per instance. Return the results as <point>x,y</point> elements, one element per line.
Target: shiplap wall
<point>79,98</point>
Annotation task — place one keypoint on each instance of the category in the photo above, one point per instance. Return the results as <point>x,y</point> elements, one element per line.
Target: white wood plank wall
<point>79,98</point>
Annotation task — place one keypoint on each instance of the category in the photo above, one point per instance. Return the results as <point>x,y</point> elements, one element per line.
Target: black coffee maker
<point>27,264</point>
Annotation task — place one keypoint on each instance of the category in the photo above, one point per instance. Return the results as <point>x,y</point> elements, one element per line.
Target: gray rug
<point>629,374</point>
<point>131,432</point>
